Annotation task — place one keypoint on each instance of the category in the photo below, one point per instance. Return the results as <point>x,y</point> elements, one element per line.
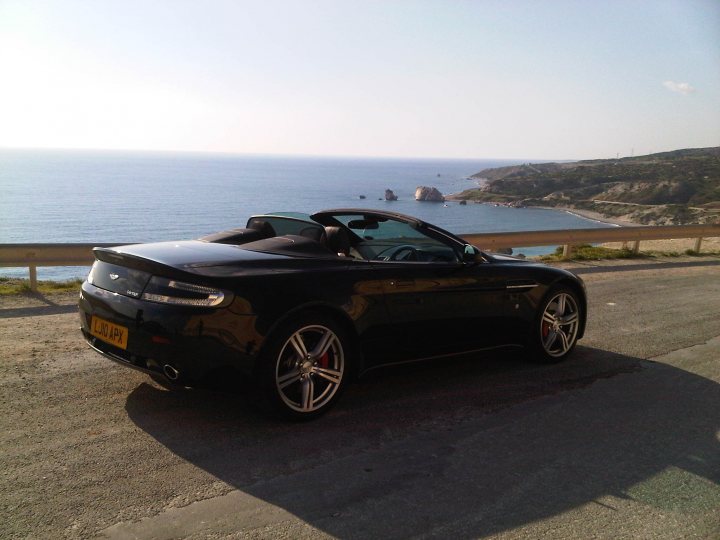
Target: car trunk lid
<point>184,254</point>
<point>127,269</point>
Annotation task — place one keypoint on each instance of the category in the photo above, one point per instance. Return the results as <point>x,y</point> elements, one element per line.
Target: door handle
<point>402,283</point>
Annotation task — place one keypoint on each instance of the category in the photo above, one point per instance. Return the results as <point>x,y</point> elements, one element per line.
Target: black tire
<point>305,366</point>
<point>554,332</point>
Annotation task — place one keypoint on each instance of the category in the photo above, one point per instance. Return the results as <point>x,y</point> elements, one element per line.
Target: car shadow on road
<point>36,304</point>
<point>34,311</point>
<point>464,448</point>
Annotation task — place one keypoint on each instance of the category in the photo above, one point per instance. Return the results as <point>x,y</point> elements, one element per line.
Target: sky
<point>479,79</point>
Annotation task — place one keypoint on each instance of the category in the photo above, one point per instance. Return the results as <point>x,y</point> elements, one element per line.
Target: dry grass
<point>10,286</point>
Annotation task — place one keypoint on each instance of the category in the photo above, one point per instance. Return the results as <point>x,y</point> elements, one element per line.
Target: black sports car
<point>304,303</point>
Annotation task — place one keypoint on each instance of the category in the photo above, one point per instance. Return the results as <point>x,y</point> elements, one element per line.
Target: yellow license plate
<point>110,333</point>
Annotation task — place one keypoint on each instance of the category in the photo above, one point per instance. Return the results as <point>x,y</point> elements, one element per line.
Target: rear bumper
<point>119,356</point>
<point>194,341</point>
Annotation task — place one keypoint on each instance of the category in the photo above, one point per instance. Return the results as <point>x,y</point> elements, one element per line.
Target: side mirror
<point>470,254</point>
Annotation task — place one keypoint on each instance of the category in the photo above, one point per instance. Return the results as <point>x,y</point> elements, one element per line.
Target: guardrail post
<point>33,278</point>
<point>698,243</point>
<point>567,251</point>
<point>636,247</point>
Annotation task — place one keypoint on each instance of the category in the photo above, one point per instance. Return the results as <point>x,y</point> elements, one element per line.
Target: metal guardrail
<point>569,237</point>
<point>33,255</point>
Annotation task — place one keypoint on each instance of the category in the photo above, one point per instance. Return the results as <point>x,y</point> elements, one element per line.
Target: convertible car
<point>304,303</point>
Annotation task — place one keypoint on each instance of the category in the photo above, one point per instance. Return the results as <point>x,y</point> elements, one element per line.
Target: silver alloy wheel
<point>310,368</point>
<point>559,324</point>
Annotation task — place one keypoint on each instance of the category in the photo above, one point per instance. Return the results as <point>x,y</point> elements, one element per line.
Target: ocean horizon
<point>59,196</point>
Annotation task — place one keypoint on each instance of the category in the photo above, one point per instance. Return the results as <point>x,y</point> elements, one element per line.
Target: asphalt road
<point>621,441</point>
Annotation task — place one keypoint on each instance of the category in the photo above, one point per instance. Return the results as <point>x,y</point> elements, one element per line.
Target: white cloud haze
<point>679,87</point>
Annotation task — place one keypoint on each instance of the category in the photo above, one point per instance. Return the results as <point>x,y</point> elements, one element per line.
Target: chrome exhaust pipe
<point>170,372</point>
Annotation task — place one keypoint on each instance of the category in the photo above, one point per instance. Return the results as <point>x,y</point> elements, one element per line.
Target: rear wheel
<point>306,366</point>
<point>555,331</point>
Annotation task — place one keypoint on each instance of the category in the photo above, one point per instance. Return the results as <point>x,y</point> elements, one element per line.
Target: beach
<point>594,216</point>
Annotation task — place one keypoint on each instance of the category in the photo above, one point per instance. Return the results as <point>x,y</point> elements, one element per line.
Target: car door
<point>440,308</point>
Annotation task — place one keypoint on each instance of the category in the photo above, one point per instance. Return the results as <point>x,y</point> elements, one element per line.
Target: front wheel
<point>555,330</point>
<point>306,366</point>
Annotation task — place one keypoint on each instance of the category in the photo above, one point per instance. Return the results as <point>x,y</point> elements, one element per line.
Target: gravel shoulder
<point>621,441</point>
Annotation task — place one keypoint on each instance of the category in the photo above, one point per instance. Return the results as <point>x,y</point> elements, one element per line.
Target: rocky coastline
<point>669,188</point>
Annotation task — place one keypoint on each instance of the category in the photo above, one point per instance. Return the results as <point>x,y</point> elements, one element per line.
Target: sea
<point>125,197</point>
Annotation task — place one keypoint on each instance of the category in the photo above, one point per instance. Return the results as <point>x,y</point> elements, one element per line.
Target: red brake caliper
<point>545,329</point>
<point>324,360</point>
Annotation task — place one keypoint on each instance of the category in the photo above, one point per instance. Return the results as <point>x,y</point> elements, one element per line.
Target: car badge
<point>114,276</point>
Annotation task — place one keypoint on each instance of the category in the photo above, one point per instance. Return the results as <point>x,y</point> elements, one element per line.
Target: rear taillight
<point>169,291</point>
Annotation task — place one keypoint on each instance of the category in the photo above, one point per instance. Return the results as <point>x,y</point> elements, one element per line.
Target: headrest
<point>337,240</point>
<point>264,227</point>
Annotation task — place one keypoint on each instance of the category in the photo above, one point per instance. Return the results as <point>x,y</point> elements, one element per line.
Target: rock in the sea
<point>389,195</point>
<point>463,202</point>
<point>504,251</point>
<point>424,193</point>
<point>361,196</point>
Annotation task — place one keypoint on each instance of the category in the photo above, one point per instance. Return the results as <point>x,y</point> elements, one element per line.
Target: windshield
<point>376,228</point>
<point>386,239</point>
<point>296,215</point>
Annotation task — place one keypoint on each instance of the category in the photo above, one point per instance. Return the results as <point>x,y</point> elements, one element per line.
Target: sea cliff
<point>669,188</point>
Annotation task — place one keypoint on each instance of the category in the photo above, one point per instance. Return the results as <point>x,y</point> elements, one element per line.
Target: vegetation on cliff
<point>676,187</point>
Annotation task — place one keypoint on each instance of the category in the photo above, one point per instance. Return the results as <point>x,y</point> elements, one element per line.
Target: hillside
<point>678,187</point>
